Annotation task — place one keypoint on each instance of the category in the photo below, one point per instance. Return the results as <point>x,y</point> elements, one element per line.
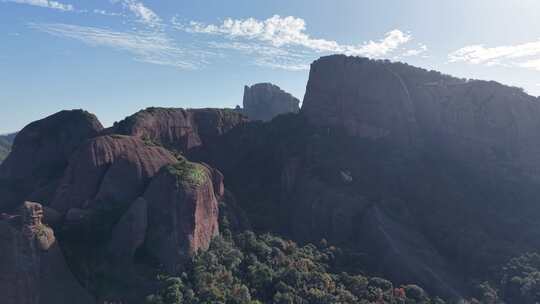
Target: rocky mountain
<point>424,177</point>
<point>391,170</point>
<point>264,101</point>
<point>6,141</point>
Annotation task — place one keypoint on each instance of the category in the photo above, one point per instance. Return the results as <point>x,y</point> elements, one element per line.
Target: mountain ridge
<point>418,177</point>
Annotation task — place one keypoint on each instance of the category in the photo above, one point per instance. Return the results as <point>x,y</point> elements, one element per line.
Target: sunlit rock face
<point>264,101</point>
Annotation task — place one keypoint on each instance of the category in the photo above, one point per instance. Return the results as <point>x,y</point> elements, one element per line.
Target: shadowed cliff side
<point>264,101</point>
<point>450,162</point>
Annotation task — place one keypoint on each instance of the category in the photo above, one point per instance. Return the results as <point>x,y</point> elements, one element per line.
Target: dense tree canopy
<point>248,268</point>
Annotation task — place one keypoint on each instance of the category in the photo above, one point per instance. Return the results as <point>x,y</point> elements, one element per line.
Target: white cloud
<point>291,31</point>
<point>422,48</point>
<point>105,13</point>
<point>526,55</point>
<point>267,56</point>
<point>147,47</point>
<point>144,14</point>
<point>531,64</point>
<point>44,3</point>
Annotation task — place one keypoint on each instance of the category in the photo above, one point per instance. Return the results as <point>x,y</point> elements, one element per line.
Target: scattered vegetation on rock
<point>186,171</point>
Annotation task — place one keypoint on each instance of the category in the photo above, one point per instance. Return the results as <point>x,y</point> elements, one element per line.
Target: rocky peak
<point>469,120</point>
<point>264,101</point>
<point>40,154</point>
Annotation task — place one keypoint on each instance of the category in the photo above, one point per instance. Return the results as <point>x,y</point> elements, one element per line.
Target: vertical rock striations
<point>182,211</point>
<point>112,169</point>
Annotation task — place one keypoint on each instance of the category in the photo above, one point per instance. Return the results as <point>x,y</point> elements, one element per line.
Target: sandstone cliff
<point>40,154</point>
<point>112,169</point>
<point>472,121</point>
<point>182,213</point>
<point>100,193</point>
<point>264,101</point>
<point>179,129</point>
<point>33,267</point>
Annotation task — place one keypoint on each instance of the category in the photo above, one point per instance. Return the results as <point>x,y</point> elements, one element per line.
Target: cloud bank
<point>44,3</point>
<point>150,47</point>
<point>525,55</point>
<point>291,31</point>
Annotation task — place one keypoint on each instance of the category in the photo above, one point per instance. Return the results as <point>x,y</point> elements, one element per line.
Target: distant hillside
<point>5,145</point>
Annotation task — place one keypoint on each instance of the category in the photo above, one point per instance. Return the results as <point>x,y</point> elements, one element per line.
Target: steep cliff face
<point>183,212</point>
<point>33,267</point>
<point>179,129</point>
<point>40,154</point>
<point>470,121</point>
<point>264,101</point>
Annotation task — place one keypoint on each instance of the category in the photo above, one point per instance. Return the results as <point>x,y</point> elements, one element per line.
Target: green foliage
<point>186,171</point>
<point>521,279</point>
<point>250,268</point>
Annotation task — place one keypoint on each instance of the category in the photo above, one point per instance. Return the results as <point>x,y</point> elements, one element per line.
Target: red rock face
<point>33,267</point>
<point>109,169</point>
<point>129,233</point>
<point>178,129</point>
<point>40,154</point>
<point>182,213</point>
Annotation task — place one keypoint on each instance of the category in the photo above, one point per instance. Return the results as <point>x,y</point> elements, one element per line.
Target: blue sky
<point>114,57</point>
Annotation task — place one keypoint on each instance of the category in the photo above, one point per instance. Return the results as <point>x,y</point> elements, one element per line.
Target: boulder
<point>264,101</point>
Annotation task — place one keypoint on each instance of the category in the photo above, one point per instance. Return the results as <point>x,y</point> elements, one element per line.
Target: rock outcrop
<point>264,101</point>
<point>179,129</point>
<point>111,169</point>
<point>182,212</point>
<point>33,267</point>
<point>40,154</point>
